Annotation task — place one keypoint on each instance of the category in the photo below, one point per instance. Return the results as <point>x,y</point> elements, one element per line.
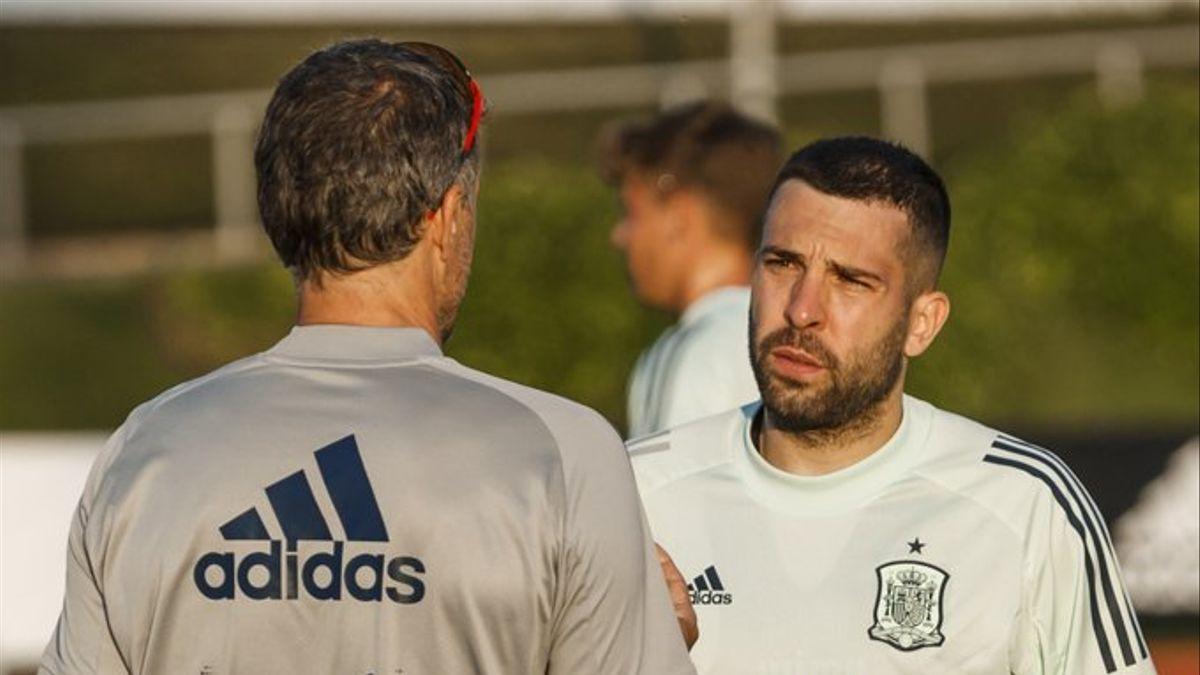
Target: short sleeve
<point>612,611</point>
<point>1076,615</point>
<point>82,641</point>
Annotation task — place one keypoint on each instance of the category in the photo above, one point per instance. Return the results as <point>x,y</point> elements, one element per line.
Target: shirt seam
<point>303,362</point>
<point>995,513</point>
<point>238,367</point>
<point>562,471</point>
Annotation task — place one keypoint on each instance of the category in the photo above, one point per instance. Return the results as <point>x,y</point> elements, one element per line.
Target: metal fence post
<point>233,181</point>
<point>1119,78</point>
<point>904,112</point>
<point>752,58</point>
<point>13,245</point>
<point>681,88</point>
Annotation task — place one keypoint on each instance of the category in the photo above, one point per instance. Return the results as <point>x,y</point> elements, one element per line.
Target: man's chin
<point>807,387</point>
<point>789,401</point>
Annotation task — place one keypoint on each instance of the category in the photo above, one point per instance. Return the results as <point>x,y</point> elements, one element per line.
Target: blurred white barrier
<point>1158,540</point>
<point>41,478</point>
<point>904,112</point>
<point>901,75</point>
<point>752,58</point>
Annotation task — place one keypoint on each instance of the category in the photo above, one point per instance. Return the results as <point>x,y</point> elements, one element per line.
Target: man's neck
<point>823,451</point>
<point>708,273</point>
<point>373,297</point>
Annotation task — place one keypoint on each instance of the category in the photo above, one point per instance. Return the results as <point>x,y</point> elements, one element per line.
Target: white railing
<point>900,74</point>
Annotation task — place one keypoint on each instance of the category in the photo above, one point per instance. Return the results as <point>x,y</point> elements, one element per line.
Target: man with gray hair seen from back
<point>351,500</point>
<point>693,181</point>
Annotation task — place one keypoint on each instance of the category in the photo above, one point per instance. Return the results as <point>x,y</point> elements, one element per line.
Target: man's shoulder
<point>197,391</point>
<point>687,451</point>
<point>552,408</point>
<point>164,412</point>
<point>571,424</point>
<point>724,318</point>
<point>705,365</point>
<point>1019,481</point>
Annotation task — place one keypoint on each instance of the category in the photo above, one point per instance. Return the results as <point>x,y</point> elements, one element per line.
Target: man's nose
<point>806,305</point>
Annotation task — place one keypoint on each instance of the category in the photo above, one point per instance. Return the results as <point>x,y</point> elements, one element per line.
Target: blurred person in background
<point>351,500</point>
<point>692,184</point>
<point>843,526</point>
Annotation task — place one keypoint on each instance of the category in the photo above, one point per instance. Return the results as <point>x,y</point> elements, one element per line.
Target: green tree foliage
<point>548,303</point>
<point>1073,269</point>
<point>82,354</point>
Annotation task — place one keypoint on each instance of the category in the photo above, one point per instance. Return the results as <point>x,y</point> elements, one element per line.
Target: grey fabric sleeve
<point>612,611</point>
<point>82,641</point>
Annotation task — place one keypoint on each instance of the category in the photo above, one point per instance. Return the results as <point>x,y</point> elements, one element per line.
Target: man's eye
<point>853,281</point>
<point>779,262</point>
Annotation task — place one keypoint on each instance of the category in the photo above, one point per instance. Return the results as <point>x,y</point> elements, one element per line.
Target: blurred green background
<point>1075,252</point>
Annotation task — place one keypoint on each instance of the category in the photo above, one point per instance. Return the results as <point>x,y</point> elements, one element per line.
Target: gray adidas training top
<point>353,502</point>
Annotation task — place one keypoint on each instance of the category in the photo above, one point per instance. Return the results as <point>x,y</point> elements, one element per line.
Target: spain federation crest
<point>908,605</point>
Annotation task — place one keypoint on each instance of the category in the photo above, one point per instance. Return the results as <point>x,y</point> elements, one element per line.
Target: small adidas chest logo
<point>707,589</point>
<point>320,571</point>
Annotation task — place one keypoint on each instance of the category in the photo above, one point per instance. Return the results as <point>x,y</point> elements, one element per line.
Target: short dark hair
<point>707,146</point>
<point>359,141</point>
<point>871,170</point>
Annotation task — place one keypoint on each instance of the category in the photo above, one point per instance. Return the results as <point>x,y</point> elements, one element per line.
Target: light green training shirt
<point>953,548</point>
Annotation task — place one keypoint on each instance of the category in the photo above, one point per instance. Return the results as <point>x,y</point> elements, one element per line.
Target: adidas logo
<point>323,574</point>
<point>707,589</point>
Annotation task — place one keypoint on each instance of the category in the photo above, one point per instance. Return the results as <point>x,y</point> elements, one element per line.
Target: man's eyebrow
<point>840,269</point>
<point>855,272</point>
<point>782,253</point>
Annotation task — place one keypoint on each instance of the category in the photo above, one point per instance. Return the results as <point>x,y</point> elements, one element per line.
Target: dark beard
<point>852,396</point>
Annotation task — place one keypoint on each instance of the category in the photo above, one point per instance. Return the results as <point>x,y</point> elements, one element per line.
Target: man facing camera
<point>842,526</point>
<point>692,183</point>
<point>351,500</point>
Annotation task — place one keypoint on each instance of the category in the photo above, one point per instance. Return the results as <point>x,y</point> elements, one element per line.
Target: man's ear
<point>444,222</point>
<point>927,315</point>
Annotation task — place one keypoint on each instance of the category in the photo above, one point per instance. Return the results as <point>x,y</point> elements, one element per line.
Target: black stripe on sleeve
<point>1106,575</point>
<point>1093,604</point>
<point>1104,531</point>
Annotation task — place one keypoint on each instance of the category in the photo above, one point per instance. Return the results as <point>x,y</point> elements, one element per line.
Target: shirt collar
<point>340,342</point>
<point>842,489</point>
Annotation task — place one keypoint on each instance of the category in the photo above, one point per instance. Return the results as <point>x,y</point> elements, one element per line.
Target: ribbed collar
<point>843,489</point>
<point>338,342</point>
<point>714,301</point>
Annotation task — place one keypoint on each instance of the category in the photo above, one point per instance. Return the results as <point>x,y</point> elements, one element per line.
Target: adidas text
<point>710,598</point>
<point>321,575</point>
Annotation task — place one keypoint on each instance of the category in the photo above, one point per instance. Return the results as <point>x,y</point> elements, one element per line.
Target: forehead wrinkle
<point>822,249</point>
<point>837,255</point>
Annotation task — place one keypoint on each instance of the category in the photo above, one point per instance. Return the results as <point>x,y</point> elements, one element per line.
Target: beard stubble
<point>849,399</point>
